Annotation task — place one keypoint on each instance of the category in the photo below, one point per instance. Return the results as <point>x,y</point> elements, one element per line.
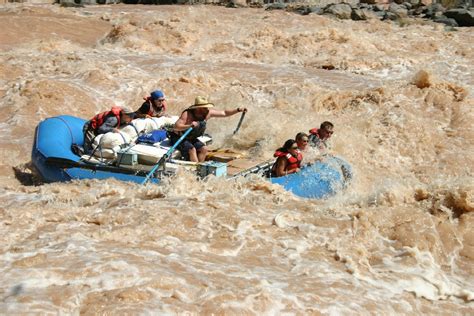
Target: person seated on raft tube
<point>302,141</point>
<point>154,105</point>
<point>108,121</point>
<point>288,160</point>
<point>319,136</point>
<point>196,116</point>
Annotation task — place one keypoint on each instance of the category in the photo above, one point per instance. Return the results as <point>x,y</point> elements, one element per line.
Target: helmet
<point>157,94</point>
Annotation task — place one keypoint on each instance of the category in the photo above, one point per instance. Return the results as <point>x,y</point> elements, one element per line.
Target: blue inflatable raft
<point>54,159</point>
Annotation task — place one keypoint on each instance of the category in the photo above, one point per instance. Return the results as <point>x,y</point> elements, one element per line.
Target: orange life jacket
<point>293,162</point>
<point>151,111</point>
<point>98,120</point>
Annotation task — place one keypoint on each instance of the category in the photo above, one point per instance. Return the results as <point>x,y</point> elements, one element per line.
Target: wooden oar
<point>240,122</point>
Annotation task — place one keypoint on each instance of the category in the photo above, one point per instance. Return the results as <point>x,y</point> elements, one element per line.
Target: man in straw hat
<point>196,116</point>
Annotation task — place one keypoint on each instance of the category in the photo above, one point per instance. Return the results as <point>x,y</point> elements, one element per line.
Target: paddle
<point>166,156</point>
<point>240,122</point>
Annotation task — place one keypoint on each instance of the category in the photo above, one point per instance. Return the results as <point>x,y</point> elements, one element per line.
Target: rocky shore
<point>462,16</point>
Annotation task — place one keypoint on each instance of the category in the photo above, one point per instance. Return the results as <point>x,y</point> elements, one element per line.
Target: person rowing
<point>196,117</point>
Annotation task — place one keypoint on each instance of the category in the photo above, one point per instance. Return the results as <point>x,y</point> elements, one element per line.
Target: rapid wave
<point>397,241</point>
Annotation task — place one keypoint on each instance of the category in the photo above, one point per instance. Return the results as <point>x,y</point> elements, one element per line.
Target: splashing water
<point>398,240</point>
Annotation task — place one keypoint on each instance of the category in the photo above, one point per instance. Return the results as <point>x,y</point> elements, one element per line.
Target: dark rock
<point>419,10</point>
<point>463,6</point>
<point>276,6</point>
<point>369,14</point>
<point>430,11</point>
<point>256,5</point>
<point>379,8</point>
<point>380,14</point>
<point>354,5</point>
<point>407,5</point>
<point>364,14</point>
<point>398,10</point>
<point>237,4</point>
<point>413,12</point>
<point>328,67</point>
<point>445,20</point>
<point>463,17</point>
<point>305,10</point>
<point>358,15</point>
<point>340,10</point>
<point>390,16</point>
<point>316,9</point>
<point>71,3</point>
<point>368,1</point>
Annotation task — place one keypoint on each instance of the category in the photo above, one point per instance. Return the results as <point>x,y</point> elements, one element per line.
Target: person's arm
<point>280,171</point>
<point>292,171</point>
<point>109,125</point>
<point>280,167</point>
<point>225,113</point>
<point>181,125</point>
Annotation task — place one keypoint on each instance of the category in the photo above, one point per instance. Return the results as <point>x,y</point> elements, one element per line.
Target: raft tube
<point>319,180</point>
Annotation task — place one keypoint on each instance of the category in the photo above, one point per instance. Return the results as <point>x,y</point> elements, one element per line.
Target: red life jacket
<point>293,162</point>
<point>98,120</point>
<point>314,131</point>
<point>315,139</point>
<point>151,111</point>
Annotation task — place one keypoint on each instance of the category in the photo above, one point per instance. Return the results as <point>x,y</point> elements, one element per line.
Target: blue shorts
<point>186,145</point>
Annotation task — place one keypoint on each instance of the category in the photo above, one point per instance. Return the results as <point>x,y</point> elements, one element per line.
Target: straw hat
<point>201,102</point>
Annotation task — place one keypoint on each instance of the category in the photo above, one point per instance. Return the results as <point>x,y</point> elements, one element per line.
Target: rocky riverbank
<point>460,16</point>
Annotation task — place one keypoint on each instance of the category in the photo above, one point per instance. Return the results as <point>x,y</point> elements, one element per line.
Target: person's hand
<point>297,170</point>
<point>202,124</point>
<point>148,116</point>
<point>241,109</point>
<point>116,130</point>
<point>194,124</point>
